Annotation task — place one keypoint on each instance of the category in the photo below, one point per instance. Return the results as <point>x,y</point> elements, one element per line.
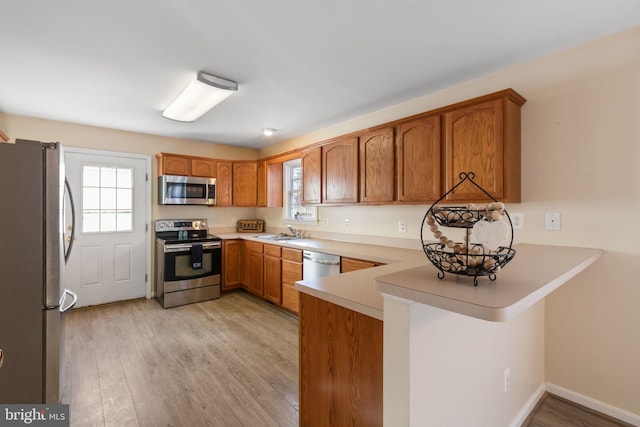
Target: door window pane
<point>107,198</point>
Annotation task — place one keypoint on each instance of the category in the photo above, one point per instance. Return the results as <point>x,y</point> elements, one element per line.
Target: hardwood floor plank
<point>230,362</point>
<point>226,362</point>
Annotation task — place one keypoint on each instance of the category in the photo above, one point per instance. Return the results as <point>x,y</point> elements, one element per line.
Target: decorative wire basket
<point>466,258</point>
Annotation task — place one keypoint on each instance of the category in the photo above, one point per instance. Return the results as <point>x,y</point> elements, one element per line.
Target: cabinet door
<point>340,171</point>
<point>272,274</point>
<point>474,143</point>
<point>224,174</point>
<point>232,264</point>
<point>254,268</point>
<point>175,165</point>
<point>203,167</point>
<point>291,273</point>
<point>274,185</point>
<point>262,184</point>
<point>418,158</point>
<point>245,183</point>
<point>311,176</point>
<point>377,166</point>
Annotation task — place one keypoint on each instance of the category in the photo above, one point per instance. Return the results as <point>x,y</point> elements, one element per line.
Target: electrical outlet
<point>552,221</point>
<point>325,222</point>
<point>402,226</point>
<point>347,223</point>
<point>517,220</point>
<point>234,220</point>
<point>507,380</point>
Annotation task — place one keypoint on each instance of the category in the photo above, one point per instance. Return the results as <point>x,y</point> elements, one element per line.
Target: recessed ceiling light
<point>202,94</point>
<point>268,131</point>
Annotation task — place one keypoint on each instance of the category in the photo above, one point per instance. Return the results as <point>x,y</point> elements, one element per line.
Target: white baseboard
<point>596,405</point>
<point>528,407</point>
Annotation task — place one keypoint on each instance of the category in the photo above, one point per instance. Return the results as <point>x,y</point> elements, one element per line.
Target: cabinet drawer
<point>272,250</point>
<point>253,246</point>
<point>350,264</point>
<point>292,254</point>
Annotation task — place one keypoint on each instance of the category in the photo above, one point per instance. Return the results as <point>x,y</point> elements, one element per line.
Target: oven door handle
<point>186,247</point>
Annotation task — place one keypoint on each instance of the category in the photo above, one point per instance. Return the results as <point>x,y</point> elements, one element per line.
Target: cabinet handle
<point>1,357</point>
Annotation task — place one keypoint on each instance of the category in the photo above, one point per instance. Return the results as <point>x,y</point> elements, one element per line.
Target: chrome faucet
<point>296,233</point>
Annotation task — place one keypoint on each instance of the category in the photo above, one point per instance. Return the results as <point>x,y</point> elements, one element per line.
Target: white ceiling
<point>301,65</point>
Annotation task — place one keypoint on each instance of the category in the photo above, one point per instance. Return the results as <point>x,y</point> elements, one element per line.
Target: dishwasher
<point>318,264</point>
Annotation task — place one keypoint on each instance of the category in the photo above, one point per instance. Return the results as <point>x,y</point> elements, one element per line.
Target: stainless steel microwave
<point>186,190</point>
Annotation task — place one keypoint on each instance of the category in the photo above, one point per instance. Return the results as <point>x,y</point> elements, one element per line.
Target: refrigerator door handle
<point>74,297</point>
<point>73,221</point>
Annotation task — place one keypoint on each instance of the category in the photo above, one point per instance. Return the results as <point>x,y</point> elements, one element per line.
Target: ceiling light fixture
<point>202,94</point>
<point>268,131</point>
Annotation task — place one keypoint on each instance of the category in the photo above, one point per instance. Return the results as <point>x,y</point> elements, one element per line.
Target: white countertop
<point>535,272</point>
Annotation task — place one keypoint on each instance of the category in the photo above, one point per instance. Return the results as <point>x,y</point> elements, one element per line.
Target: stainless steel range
<point>188,262</point>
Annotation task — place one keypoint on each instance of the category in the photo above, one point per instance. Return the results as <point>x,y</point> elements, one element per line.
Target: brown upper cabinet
<point>483,136</point>
<point>262,183</point>
<point>311,175</point>
<point>170,164</point>
<point>340,171</point>
<point>377,166</point>
<point>203,167</point>
<point>412,160</point>
<point>245,183</point>
<point>224,183</point>
<point>418,160</point>
<point>175,164</point>
<point>270,184</point>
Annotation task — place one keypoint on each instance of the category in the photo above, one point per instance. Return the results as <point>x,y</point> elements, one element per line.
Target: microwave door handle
<point>67,254</point>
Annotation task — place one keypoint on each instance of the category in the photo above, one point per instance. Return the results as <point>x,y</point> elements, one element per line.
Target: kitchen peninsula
<point>454,354</point>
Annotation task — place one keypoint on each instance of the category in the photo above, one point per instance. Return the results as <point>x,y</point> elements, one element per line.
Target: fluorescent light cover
<point>202,94</point>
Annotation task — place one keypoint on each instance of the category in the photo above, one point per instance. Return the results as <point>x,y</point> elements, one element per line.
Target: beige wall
<point>91,137</point>
<point>581,158</point>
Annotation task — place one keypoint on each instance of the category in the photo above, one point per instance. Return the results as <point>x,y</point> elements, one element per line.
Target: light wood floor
<point>227,362</point>
<point>554,411</point>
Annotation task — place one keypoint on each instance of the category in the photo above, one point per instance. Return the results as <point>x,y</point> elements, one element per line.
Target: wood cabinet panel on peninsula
<point>340,365</point>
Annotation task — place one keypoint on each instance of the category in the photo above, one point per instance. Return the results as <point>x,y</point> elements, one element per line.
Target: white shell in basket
<point>491,234</point>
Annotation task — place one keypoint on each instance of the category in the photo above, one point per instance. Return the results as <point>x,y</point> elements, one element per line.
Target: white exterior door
<point>109,257</point>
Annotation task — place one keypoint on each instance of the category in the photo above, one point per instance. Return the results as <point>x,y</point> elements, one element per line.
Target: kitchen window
<point>294,210</point>
<point>107,199</point>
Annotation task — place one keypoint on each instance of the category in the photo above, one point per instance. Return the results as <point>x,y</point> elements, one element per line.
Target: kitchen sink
<point>278,238</point>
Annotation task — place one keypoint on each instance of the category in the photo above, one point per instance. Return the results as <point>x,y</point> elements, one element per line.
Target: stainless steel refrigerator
<point>31,258</point>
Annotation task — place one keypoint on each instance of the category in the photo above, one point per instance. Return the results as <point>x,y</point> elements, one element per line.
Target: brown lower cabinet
<point>352,264</point>
<point>272,274</point>
<point>291,273</point>
<point>232,263</point>
<point>340,366</point>
<point>254,268</point>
